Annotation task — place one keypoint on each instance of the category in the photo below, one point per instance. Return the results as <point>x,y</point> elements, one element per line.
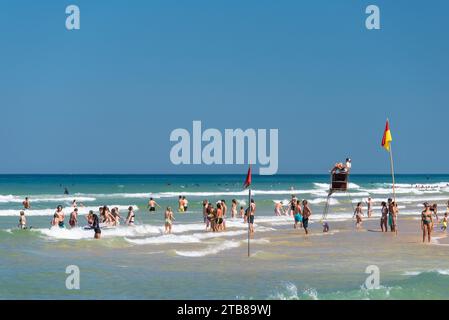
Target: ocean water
<point>141,262</point>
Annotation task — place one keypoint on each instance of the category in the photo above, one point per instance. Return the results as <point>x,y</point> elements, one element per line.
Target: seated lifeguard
<point>342,168</point>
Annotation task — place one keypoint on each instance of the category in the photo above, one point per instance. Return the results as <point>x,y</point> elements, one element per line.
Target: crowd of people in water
<point>215,215</point>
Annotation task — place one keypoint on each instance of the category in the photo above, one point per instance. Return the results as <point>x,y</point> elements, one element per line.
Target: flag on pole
<point>387,138</point>
<point>248,179</point>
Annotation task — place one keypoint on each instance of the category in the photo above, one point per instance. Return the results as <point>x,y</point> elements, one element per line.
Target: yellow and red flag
<point>386,140</point>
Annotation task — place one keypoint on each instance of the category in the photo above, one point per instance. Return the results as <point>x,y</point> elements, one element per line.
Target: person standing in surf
<point>131,216</point>
<point>358,213</point>
<point>252,213</point>
<point>152,204</point>
<point>169,218</point>
<point>369,203</point>
<point>306,213</point>
<point>22,221</point>
<point>298,215</point>
<point>292,204</point>
<point>384,217</point>
<point>426,223</point>
<point>26,204</point>
<point>225,211</point>
<point>73,220</point>
<point>234,205</point>
<point>58,217</point>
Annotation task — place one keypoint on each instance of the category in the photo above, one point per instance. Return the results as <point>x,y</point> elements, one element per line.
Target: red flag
<point>248,179</point>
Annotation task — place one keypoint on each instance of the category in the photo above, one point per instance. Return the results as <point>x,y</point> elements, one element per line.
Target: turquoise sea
<point>141,262</point>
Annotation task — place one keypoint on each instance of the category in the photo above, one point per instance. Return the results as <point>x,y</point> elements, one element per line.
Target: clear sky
<point>104,99</point>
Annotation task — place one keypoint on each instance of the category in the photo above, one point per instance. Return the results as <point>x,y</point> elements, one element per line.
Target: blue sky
<point>105,98</point>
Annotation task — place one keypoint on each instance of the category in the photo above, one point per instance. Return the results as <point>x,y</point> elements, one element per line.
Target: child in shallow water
<point>444,227</point>
<point>22,220</point>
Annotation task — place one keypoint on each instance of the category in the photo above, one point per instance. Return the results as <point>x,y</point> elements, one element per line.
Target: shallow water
<point>142,263</point>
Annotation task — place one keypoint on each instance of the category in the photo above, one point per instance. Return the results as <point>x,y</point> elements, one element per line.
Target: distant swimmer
<point>152,204</point>
<point>426,223</point>
<point>22,221</point>
<point>26,204</point>
<point>131,217</point>
<point>73,220</point>
<point>75,204</point>
<point>358,213</point>
<point>66,191</point>
<point>169,218</point>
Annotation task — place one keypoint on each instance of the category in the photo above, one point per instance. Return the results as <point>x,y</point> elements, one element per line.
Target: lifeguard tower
<point>339,183</point>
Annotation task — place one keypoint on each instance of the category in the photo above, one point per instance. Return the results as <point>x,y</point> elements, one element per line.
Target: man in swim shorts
<point>306,213</point>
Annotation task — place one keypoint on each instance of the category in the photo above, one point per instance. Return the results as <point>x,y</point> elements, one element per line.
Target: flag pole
<point>392,173</point>
<point>248,218</point>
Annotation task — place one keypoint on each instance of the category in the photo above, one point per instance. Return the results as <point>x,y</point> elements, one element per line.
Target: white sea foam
<point>193,238</point>
<point>67,210</point>
<point>45,198</point>
<point>214,249</point>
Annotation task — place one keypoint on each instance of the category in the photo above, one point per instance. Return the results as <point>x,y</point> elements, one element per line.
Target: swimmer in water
<point>152,205</point>
<point>26,204</point>
<point>95,224</point>
<point>58,218</point>
<point>73,218</point>
<point>131,216</point>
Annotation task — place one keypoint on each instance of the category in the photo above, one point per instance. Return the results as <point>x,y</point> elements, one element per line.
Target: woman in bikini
<point>169,218</point>
<point>426,223</point>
